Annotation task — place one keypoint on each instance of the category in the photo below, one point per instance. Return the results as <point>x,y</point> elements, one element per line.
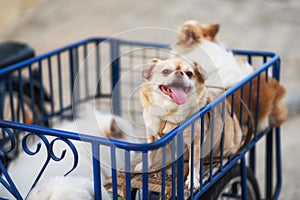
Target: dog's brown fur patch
<point>270,105</point>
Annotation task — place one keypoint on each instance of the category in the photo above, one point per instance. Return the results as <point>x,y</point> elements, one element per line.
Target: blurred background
<point>254,25</point>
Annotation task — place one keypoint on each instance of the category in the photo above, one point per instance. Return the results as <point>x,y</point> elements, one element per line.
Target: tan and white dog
<point>175,89</point>
<point>198,42</point>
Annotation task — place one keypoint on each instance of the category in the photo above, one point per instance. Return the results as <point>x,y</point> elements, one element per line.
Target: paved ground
<point>261,25</point>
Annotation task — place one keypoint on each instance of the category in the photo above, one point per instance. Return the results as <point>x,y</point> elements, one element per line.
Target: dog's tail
<point>115,131</point>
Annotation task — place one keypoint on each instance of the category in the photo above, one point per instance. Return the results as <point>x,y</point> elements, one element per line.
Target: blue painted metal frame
<point>177,133</point>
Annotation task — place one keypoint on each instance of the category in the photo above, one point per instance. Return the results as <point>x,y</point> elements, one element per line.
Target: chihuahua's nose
<point>179,73</point>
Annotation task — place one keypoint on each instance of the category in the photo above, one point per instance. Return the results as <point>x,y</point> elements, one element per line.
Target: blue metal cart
<point>108,65</point>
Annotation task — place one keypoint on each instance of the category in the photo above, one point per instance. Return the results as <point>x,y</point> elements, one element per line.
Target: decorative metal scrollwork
<point>72,147</point>
<point>50,152</point>
<point>8,143</point>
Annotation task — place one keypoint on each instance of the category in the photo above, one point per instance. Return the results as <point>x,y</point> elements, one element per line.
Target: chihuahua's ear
<point>210,31</point>
<point>189,35</point>
<point>200,72</point>
<point>147,71</point>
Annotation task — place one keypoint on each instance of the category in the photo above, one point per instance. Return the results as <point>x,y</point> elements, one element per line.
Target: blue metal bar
<point>267,71</point>
<point>77,82</point>
<point>51,84</point>
<point>180,166</point>
<point>191,161</point>
<point>31,90</point>
<point>96,171</point>
<point>72,80</point>
<point>253,53</point>
<point>10,91</point>
<point>249,59</point>
<point>252,159</point>
<point>75,79</point>
<point>241,105</point>
<point>145,175</point>
<point>103,39</point>
<point>278,164</point>
<point>20,101</point>
<point>163,173</point>
<point>257,105</point>
<point>60,92</point>
<point>264,59</point>
<point>127,174</point>
<point>71,68</point>
<point>115,67</point>
<point>114,172</point>
<point>143,44</point>
<point>2,96</point>
<point>276,69</point>
<point>173,168</point>
<point>252,151</point>
<point>269,164</point>
<point>9,185</point>
<point>75,136</point>
<point>41,85</point>
<point>244,178</point>
<point>232,104</point>
<point>212,143</point>
<point>222,135</point>
<point>202,151</point>
<point>98,66</point>
<point>86,70</point>
<point>276,74</point>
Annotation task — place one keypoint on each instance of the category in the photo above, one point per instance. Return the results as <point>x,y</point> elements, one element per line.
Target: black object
<point>12,52</point>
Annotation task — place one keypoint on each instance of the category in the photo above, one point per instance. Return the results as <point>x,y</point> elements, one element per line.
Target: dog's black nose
<point>179,73</point>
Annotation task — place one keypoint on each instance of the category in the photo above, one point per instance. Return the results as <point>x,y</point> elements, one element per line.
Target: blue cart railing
<point>102,71</point>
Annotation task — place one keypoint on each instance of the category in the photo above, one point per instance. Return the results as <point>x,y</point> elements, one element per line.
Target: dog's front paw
<point>196,182</point>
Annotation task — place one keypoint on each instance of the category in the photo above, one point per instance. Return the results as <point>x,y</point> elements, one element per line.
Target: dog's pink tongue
<point>178,95</point>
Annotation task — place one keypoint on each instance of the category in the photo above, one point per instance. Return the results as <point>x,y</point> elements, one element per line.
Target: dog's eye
<point>189,74</point>
<point>166,71</point>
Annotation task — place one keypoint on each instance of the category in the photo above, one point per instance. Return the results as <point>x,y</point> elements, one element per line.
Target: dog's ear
<point>200,72</point>
<point>210,31</point>
<point>147,71</point>
<point>188,35</point>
